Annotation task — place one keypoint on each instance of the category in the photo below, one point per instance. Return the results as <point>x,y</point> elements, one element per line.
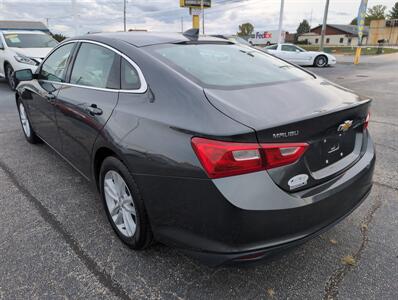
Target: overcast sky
<point>165,15</point>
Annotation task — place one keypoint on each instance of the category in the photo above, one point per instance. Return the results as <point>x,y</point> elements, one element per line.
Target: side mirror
<point>23,75</point>
<point>298,51</point>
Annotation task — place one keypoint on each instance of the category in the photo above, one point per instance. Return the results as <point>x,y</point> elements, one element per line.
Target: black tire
<point>31,137</point>
<point>321,61</point>
<point>142,237</point>
<point>12,82</point>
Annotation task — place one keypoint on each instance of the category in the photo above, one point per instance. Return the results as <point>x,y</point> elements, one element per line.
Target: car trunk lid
<point>327,117</point>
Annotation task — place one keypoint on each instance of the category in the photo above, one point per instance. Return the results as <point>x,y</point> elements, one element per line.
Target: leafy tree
<point>393,12</point>
<point>245,29</point>
<point>376,12</point>
<point>59,37</point>
<point>304,27</point>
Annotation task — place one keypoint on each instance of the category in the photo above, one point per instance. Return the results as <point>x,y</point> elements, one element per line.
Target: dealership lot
<point>55,239</point>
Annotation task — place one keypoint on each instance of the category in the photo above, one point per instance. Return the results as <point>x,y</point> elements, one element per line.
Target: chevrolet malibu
<point>218,149</point>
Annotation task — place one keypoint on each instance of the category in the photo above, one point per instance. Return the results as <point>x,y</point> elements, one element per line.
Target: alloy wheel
<point>10,77</point>
<point>321,61</point>
<point>24,120</point>
<point>120,203</point>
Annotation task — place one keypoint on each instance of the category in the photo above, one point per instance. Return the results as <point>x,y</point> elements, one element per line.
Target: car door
<point>43,95</point>
<point>272,50</point>
<point>2,54</point>
<point>87,101</point>
<point>289,52</point>
<point>303,57</point>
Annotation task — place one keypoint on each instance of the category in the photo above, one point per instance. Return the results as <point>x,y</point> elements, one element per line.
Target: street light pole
<point>124,16</point>
<point>325,17</point>
<point>281,21</point>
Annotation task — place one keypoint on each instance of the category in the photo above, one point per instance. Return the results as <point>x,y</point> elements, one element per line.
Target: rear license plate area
<point>331,149</point>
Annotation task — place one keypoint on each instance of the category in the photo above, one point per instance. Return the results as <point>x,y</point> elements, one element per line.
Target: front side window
<point>95,66</point>
<point>289,48</point>
<point>273,47</point>
<point>29,40</point>
<point>226,66</point>
<point>130,78</point>
<point>54,67</point>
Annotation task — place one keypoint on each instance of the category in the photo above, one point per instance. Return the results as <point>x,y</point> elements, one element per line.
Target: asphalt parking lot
<point>55,241</point>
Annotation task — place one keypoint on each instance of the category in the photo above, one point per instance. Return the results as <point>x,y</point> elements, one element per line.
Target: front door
<point>86,103</point>
<point>44,95</point>
<point>2,54</point>
<point>291,53</point>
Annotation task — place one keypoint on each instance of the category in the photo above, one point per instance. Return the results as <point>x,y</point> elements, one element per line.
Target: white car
<point>299,56</point>
<point>22,50</point>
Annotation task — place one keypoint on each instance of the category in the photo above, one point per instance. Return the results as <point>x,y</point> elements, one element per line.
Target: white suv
<point>22,50</point>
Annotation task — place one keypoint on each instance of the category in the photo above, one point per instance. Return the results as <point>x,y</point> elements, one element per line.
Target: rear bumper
<point>218,221</point>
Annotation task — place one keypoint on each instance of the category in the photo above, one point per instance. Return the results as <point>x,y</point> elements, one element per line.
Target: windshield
<point>29,40</point>
<point>227,66</point>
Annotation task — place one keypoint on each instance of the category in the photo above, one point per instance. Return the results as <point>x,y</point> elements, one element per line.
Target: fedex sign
<point>264,35</point>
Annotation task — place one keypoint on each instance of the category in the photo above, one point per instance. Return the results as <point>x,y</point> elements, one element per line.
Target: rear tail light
<point>222,159</point>
<point>366,124</point>
<point>277,155</point>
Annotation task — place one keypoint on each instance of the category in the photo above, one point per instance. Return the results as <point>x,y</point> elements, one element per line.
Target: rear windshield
<point>226,65</point>
<point>27,40</point>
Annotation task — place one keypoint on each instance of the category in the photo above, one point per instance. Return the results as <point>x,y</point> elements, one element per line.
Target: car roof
<point>142,39</point>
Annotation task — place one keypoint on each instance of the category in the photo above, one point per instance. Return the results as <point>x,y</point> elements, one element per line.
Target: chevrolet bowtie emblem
<point>345,126</point>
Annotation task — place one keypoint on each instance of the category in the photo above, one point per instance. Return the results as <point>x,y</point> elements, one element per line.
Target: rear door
<point>87,101</point>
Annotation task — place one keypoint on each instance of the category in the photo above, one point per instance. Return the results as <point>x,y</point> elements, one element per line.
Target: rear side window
<point>130,79</point>
<point>54,68</point>
<point>95,66</point>
<point>227,66</point>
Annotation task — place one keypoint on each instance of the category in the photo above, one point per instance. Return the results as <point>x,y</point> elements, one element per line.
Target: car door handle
<point>94,110</point>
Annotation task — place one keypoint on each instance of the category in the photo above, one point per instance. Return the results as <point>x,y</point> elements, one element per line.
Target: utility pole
<point>203,16</point>
<point>124,16</point>
<point>281,21</point>
<point>325,18</point>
